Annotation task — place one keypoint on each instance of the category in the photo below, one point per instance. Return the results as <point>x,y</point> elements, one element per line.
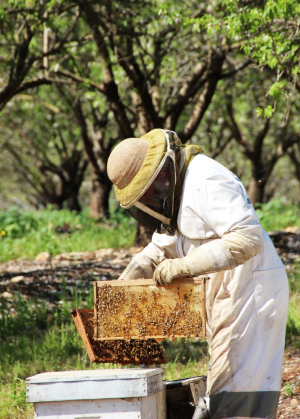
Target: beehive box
<point>146,352</point>
<point>137,309</point>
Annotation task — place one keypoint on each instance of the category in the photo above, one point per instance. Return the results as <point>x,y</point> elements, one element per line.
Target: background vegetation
<point>79,76</point>
<point>25,233</point>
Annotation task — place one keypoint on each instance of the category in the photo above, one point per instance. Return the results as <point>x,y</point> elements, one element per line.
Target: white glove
<point>189,266</point>
<point>144,263</point>
<point>141,266</point>
<point>170,269</point>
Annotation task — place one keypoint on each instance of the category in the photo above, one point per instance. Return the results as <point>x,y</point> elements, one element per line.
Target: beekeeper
<point>204,223</point>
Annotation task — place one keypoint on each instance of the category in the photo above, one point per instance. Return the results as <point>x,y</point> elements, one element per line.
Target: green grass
<point>13,403</point>
<point>27,233</point>
<point>289,389</point>
<point>275,215</point>
<point>176,370</point>
<point>293,321</point>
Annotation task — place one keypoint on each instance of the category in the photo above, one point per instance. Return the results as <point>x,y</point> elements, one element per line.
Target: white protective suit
<point>246,305</point>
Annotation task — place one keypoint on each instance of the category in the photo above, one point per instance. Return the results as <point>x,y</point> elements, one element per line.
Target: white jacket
<point>247,296</point>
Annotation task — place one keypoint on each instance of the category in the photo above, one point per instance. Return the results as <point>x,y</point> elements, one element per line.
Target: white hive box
<point>99,394</point>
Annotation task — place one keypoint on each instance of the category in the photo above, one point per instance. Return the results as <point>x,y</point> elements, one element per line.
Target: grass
<point>275,215</point>
<point>176,370</point>
<point>27,233</point>
<point>13,403</point>
<point>293,321</point>
<point>289,389</point>
<point>35,338</point>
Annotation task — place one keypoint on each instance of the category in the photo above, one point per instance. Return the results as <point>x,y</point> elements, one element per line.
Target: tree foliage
<point>215,72</point>
<point>268,32</point>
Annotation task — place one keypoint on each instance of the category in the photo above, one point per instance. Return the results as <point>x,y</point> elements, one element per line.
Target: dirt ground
<point>289,402</point>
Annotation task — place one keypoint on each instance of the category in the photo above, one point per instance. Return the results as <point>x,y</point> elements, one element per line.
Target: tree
<point>147,52</point>
<point>150,71</point>
<point>294,155</point>
<point>262,161</point>
<point>94,128</point>
<point>47,150</point>
<point>268,32</point>
<point>32,33</point>
<point>119,69</point>
<point>260,141</point>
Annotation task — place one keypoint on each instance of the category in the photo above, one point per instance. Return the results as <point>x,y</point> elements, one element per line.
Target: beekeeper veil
<point>147,178</point>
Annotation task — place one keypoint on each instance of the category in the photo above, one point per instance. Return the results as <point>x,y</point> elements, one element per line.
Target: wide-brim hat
<point>133,164</point>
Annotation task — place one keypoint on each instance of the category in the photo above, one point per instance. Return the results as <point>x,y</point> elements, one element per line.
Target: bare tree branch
<point>187,91</point>
<point>74,77</point>
<point>110,86</point>
<point>204,99</point>
<point>235,130</point>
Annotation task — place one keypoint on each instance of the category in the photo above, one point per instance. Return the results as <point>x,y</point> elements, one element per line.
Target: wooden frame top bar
<point>121,283</point>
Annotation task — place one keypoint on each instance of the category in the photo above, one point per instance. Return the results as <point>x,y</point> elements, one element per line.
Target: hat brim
<point>140,183</point>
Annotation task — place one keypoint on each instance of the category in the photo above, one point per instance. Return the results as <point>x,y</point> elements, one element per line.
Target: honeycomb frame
<point>149,312</point>
<point>134,351</point>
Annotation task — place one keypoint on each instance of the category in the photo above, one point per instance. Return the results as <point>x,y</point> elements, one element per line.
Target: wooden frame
<point>149,282</point>
<point>83,319</point>
<point>105,351</point>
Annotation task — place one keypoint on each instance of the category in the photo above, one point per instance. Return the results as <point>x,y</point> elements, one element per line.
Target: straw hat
<point>132,164</point>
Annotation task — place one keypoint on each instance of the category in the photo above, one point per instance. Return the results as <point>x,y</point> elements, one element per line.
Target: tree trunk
<point>143,235</point>
<point>99,207</point>
<point>72,202</point>
<point>256,190</point>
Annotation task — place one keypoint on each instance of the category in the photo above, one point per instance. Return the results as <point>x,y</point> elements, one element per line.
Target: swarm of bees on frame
<point>134,351</point>
<point>148,314</point>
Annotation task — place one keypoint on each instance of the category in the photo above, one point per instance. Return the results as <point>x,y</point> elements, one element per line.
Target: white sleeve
<point>225,206</point>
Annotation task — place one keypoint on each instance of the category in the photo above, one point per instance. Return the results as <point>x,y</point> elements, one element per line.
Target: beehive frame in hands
<point>136,309</point>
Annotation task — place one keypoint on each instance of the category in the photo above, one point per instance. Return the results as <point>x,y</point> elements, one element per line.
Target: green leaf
<point>268,112</point>
<point>259,111</point>
<point>276,88</point>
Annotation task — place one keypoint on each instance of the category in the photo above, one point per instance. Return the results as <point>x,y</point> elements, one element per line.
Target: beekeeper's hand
<point>144,263</point>
<point>194,264</point>
<point>141,266</point>
<point>170,269</point>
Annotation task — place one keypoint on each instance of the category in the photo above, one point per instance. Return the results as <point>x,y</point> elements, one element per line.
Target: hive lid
<point>93,375</point>
<point>93,385</point>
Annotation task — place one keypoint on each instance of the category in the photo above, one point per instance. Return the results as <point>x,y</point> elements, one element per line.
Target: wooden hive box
<point>137,309</point>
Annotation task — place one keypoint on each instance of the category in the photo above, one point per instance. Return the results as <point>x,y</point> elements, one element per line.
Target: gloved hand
<point>169,269</point>
<point>195,263</point>
<point>141,266</point>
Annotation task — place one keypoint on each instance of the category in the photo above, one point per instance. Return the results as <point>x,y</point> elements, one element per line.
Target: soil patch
<point>289,402</point>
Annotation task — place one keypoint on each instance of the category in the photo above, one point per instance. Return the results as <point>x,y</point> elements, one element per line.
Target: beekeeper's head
<point>144,173</point>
